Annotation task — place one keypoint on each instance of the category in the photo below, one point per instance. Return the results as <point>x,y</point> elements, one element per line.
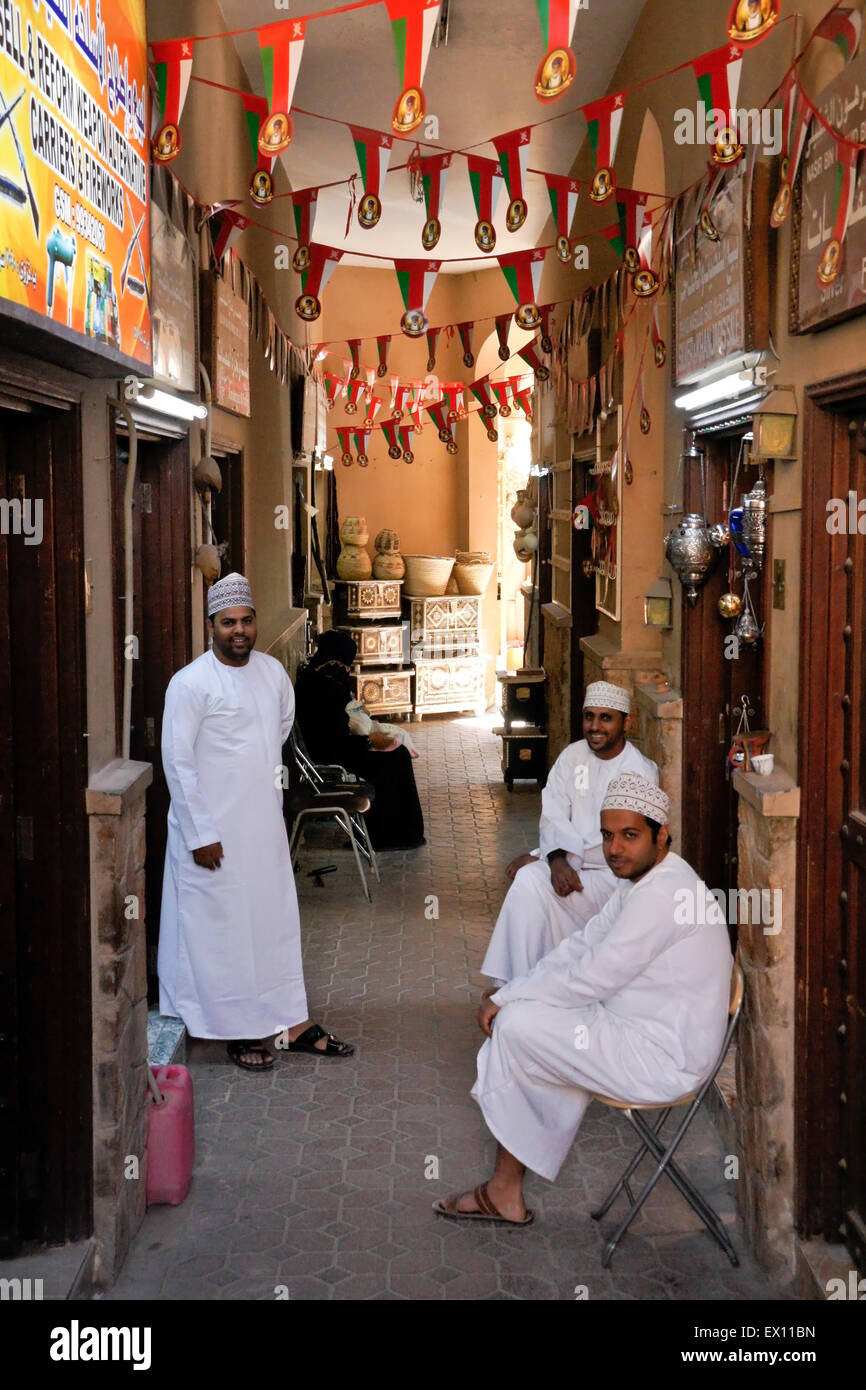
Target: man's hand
<point>519,863</point>
<point>209,856</point>
<point>564,878</point>
<point>487,1011</point>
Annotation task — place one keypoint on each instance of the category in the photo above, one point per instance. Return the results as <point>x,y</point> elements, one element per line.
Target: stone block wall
<point>657,729</point>
<point>766,844</point>
<point>116,810</point>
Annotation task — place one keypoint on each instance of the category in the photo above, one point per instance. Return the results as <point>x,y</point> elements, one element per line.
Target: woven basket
<point>472,578</point>
<point>427,575</point>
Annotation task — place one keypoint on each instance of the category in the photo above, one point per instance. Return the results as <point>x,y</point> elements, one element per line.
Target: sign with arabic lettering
<point>74,214</point>
<point>815,305</point>
<point>710,288</point>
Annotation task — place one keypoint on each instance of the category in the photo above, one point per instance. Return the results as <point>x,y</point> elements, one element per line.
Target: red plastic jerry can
<point>170,1137</point>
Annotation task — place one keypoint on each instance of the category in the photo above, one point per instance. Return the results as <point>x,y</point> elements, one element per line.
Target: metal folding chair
<point>651,1142</point>
<point>330,792</point>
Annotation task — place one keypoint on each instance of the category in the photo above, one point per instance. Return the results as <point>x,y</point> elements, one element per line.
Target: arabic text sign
<point>710,301</point>
<point>74,233</point>
<point>843,105</point>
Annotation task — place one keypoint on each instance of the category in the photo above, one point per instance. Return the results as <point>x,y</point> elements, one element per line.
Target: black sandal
<point>305,1042</point>
<point>237,1049</point>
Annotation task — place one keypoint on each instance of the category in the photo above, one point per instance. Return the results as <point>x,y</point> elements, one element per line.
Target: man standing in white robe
<point>634,1007</point>
<point>230,943</point>
<point>555,891</point>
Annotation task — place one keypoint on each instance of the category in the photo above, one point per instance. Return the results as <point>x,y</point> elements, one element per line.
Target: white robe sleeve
<point>626,938</point>
<point>185,706</point>
<point>287,708</point>
<point>556,830</point>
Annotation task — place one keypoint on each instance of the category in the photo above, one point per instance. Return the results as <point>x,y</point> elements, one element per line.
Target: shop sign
<point>174,355</point>
<point>226,344</point>
<point>813,304</point>
<point>74,229</point>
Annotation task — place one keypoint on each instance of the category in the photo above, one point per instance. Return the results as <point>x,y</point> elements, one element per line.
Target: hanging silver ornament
<point>746,628</point>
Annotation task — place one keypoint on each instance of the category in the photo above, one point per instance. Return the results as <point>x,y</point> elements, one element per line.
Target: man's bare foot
<point>489,1200</point>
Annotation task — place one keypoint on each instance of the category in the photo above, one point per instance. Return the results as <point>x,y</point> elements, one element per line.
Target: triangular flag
<point>564,194</point>
<point>522,270</point>
<point>846,181</point>
<point>530,355</point>
<point>434,173</point>
<point>513,151</point>
<point>374,151</point>
<point>227,227</point>
<point>842,27</point>
<point>718,78</point>
<point>557,68</point>
<point>465,331</point>
<point>361,440</point>
<point>354,392</point>
<point>333,387</point>
<point>432,340</point>
<point>413,24</point>
<point>415,279</point>
<point>389,429</point>
<point>354,346</point>
<point>406,434</point>
<point>172,60</point>
<point>604,121</point>
<point>485,178</point>
<point>261,186</point>
<point>383,344</point>
<point>304,202</point>
<point>502,323</point>
<point>323,263</point>
<point>281,46</point>
<point>344,434</point>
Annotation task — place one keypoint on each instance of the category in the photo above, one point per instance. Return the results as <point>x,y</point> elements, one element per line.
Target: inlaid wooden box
<point>377,644</point>
<point>367,598</point>
<point>384,692</point>
<point>449,685</point>
<point>524,755</point>
<point>444,627</point>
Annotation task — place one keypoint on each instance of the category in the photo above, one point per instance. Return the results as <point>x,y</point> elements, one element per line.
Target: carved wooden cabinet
<point>377,643</point>
<point>374,599</point>
<point>445,645</point>
<point>384,692</point>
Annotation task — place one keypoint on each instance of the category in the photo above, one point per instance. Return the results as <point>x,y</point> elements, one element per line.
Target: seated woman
<point>323,689</point>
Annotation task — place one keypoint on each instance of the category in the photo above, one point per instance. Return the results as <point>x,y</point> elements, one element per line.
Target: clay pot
<point>388,565</point>
<point>208,561</point>
<point>387,542</point>
<point>353,530</point>
<point>522,513</point>
<point>353,562</point>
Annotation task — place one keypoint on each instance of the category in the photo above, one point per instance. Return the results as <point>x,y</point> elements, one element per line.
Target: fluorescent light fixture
<point>726,388</point>
<point>166,404</point>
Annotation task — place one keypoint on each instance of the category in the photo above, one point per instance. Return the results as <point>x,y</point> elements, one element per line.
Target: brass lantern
<point>775,425</point>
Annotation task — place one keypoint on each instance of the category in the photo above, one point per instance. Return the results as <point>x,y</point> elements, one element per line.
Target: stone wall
<point>766,846</point>
<point>116,808</point>
<point>557,664</point>
<point>657,729</point>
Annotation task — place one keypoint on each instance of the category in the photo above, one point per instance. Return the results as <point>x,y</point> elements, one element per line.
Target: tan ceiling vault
<point>479,84</point>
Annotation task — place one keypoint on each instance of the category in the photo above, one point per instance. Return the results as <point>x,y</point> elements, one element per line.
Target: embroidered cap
<point>630,792</point>
<point>231,592</point>
<point>602,695</point>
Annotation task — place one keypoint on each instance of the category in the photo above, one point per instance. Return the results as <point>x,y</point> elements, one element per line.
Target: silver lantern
<point>755,523</point>
<point>691,549</point>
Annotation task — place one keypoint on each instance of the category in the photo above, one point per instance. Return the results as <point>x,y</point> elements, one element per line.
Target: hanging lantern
<point>690,551</point>
<point>755,522</point>
<point>747,629</point>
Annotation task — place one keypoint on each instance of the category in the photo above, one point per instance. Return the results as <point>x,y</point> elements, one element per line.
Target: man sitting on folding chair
<point>632,1006</point>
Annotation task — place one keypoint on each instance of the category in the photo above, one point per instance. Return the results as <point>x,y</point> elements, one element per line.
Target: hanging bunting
<point>229,225</point>
<point>344,434</point>
<point>438,415</point>
<point>434,173</point>
<point>502,393</point>
<point>842,27</point>
<point>323,263</point>
<point>465,331</point>
<point>503,327</point>
<point>604,119</point>
<point>564,194</point>
<point>416,413</point>
<point>354,346</point>
<point>483,393</point>
<point>513,151</point>
<point>645,419</point>
<point>558,67</point>
<point>399,399</point>
<point>546,340</point>
<point>406,434</point>
<point>801,119</point>
<point>389,429</point>
<point>354,392</point>
<point>374,405</point>
<point>485,178</point>
<point>413,24</point>
<point>631,207</point>
<point>718,77</point>
<point>304,210</point>
<point>523,396</point>
<point>432,340</point>
<point>281,46</point>
<point>846,169</point>
<point>361,439</point>
<point>374,152</point>
<point>531,356</point>
<point>415,279</point>
<point>750,21</point>
<point>261,185</point>
<point>173,65</point>
<point>454,400</point>
<point>383,345</point>
<point>660,351</point>
<point>333,387</point>
<point>522,271</point>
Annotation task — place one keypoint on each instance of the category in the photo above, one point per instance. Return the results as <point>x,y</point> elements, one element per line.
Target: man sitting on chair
<point>557,890</point>
<point>634,1007</point>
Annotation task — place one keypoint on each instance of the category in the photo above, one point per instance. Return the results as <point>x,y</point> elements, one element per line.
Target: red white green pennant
<point>465,331</point>
<point>361,439</point>
<point>333,387</point>
<point>406,434</point>
<point>374,405</point>
<point>842,27</point>
<point>374,151</point>
<point>383,344</point>
<point>557,69</point>
<point>718,78</point>
<point>604,121</point>
<point>261,185</point>
<point>532,357</point>
<point>522,271</point>
<point>344,434</point>
<point>846,181</point>
<point>513,151</point>
<point>564,194</point>
<point>502,325</point>
<point>281,46</point>
<point>354,392</point>
<point>354,346</point>
<point>389,429</point>
<point>228,229</point>
<point>432,342</point>
<point>304,210</point>
<point>485,178</point>
<point>413,24</point>
<point>173,66</point>
<point>323,262</point>
<point>434,173</point>
<point>416,280</point>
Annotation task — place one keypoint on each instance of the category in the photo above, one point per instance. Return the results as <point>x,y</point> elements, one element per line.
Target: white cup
<point>763,764</point>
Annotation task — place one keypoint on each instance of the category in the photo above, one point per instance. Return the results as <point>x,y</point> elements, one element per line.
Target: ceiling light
<point>144,393</point>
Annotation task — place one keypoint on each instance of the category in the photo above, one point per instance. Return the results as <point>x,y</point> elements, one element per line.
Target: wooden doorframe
<point>818,1188</point>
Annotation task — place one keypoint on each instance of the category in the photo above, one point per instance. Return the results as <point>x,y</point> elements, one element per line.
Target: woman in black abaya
<point>323,689</point>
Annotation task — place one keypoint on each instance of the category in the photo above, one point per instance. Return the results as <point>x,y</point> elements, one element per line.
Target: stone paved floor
<point>315,1179</point>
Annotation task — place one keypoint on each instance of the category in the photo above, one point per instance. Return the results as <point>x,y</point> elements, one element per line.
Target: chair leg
<point>369,843</point>
<point>623,1181</point>
<point>695,1199</point>
<point>296,835</point>
<point>343,817</point>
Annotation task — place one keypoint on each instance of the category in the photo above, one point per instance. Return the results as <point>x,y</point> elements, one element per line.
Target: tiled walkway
<point>316,1181</point>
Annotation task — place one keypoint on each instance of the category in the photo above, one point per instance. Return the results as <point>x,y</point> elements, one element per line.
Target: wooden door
<point>584,613</point>
<point>713,681</point>
<point>45,984</point>
<point>162,626</point>
<point>831,889</point>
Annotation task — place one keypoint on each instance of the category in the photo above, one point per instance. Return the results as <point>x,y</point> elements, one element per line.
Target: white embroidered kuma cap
<point>631,792</point>
<point>231,592</point>
<point>602,695</point>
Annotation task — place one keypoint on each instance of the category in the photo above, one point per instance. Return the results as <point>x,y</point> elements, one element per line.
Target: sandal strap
<point>483,1202</point>
<point>313,1034</point>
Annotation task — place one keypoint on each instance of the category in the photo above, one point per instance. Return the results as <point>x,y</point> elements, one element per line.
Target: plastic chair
<point>651,1143</point>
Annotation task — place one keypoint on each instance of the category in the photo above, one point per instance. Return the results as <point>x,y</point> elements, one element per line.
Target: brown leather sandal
<point>486,1209</point>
